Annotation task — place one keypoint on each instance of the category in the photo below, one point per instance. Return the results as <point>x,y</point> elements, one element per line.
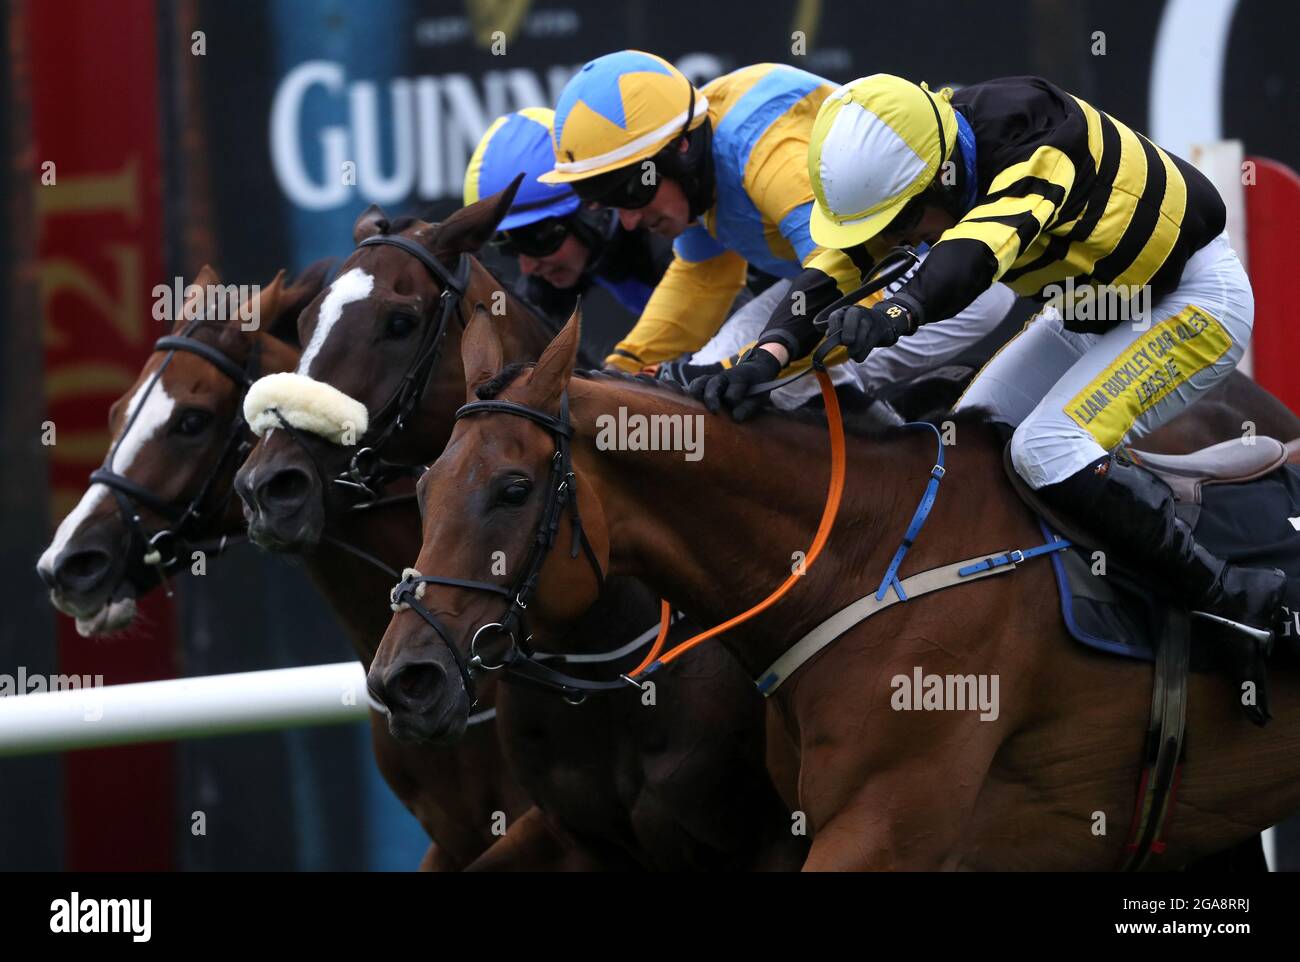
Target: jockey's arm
<point>686,309</point>
<point>970,256</point>
<point>827,275</point>
<point>976,251</point>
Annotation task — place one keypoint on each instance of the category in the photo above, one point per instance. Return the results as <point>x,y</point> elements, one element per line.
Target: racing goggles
<point>625,188</point>
<point>540,239</point>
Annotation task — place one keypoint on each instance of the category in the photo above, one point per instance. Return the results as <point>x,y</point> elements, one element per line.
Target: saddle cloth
<point>1244,507</point>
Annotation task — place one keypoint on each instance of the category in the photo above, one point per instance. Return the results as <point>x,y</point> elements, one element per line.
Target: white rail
<point>179,708</point>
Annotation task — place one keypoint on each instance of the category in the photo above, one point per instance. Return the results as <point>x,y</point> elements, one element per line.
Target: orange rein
<point>835,424</point>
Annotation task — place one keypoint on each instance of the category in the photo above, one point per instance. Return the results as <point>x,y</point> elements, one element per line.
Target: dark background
<point>311,799</point>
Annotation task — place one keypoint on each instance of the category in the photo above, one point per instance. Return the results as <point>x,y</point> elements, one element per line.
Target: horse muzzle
<point>422,695</point>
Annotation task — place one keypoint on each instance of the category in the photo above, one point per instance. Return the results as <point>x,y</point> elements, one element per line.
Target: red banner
<point>100,227</point>
<point>1272,216</point>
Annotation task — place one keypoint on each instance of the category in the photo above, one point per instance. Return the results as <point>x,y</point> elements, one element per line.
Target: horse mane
<point>855,422</point>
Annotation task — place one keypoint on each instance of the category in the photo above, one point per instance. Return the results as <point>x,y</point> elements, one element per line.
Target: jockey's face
<point>667,215</point>
<point>934,221</point>
<point>561,269</point>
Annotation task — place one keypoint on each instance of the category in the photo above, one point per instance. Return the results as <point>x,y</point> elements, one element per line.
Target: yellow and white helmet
<point>877,143</point>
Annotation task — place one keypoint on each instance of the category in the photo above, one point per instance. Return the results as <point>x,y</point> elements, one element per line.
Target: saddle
<point>1238,499</point>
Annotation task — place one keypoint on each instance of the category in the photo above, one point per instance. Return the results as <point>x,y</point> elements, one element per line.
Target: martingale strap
<point>890,580</point>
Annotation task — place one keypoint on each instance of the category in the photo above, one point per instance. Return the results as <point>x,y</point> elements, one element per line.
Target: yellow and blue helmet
<point>519,143</point>
<point>619,109</point>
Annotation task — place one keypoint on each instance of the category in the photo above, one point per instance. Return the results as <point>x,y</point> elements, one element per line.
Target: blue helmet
<point>519,143</point>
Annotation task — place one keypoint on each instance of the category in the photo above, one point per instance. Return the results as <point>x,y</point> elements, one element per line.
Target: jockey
<point>722,171</point>
<point>562,249</point>
<point>1018,181</point>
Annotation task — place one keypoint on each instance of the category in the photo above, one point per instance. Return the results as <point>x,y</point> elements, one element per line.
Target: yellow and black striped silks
<point>1068,198</point>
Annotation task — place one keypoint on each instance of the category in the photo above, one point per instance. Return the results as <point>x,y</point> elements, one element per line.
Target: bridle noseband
<point>160,550</point>
<point>519,662</point>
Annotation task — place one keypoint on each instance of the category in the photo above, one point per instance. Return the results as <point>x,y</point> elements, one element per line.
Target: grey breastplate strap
<point>959,572</point>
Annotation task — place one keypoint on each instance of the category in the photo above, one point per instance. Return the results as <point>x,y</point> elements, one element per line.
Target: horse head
<point>486,503</point>
<point>379,375</point>
<point>177,439</point>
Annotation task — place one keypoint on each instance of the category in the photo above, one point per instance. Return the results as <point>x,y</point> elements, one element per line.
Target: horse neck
<point>524,335</point>
<point>717,535</point>
<point>355,589</point>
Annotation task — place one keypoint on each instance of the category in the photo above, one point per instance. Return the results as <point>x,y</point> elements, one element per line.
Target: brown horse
<point>184,448</point>
<point>1049,783</point>
<point>619,783</point>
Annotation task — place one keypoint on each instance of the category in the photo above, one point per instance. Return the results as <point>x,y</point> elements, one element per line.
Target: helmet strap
<point>692,169</point>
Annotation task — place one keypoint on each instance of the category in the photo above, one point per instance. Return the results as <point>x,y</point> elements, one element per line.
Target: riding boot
<point>1131,511</point>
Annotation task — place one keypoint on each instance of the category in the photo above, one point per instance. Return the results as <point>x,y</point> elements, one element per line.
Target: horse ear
<point>480,350</point>
<point>555,366</point>
<point>296,296</point>
<point>196,296</point>
<point>467,230</point>
<point>371,222</point>
<point>269,300</point>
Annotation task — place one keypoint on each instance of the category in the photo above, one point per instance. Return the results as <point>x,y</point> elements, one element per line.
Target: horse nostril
<point>415,686</point>
<point>80,572</point>
<point>47,575</point>
<point>286,489</point>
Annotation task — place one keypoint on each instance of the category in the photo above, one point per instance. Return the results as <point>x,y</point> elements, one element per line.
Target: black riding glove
<point>730,387</point>
<point>863,329</point>
<point>683,372</point>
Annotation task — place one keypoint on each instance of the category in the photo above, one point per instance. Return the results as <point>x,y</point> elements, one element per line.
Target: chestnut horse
<point>623,780</point>
<point>1049,783</point>
<point>184,448</point>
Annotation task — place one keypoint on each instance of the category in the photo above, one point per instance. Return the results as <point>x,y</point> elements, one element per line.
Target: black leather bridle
<point>161,549</point>
<point>519,662</point>
<point>368,471</point>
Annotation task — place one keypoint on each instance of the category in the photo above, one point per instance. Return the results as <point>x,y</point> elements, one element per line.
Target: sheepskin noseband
<point>307,404</point>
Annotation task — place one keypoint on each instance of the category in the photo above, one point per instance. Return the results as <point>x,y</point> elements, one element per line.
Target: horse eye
<point>515,493</point>
<point>192,422</point>
<point>400,325</point>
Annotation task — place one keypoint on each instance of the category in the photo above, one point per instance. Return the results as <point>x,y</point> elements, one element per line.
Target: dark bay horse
<point>1049,783</point>
<point>184,448</point>
<point>623,780</point>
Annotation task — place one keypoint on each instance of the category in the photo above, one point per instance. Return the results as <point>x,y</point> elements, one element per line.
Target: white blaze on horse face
<point>355,285</point>
<point>158,407</point>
